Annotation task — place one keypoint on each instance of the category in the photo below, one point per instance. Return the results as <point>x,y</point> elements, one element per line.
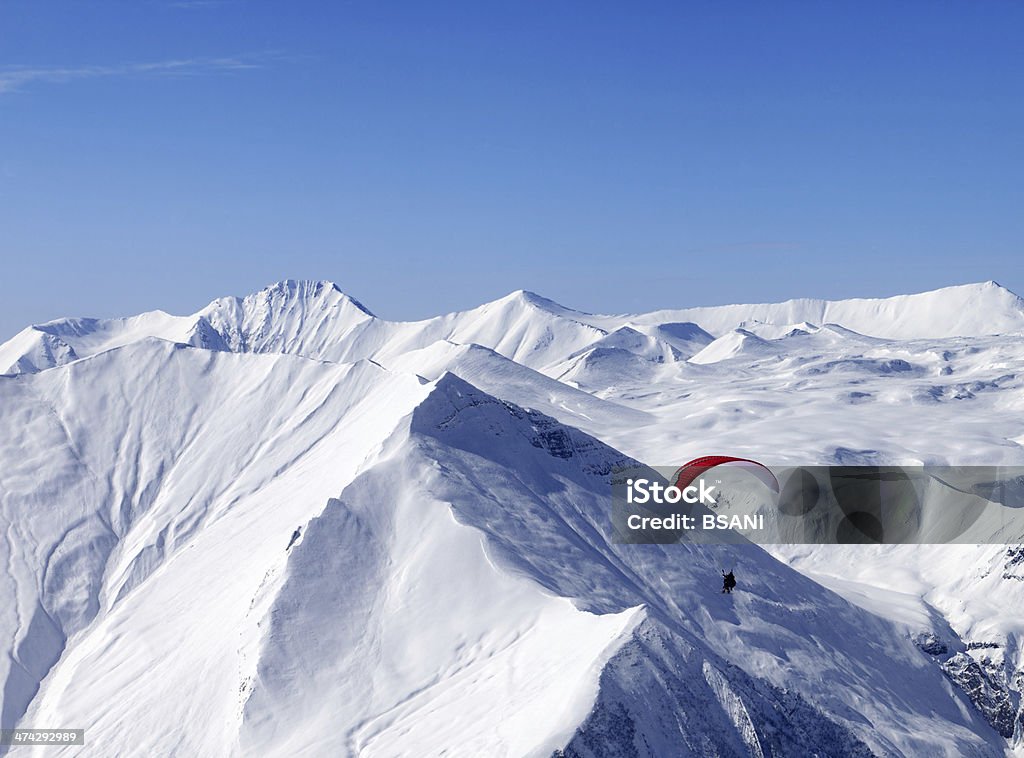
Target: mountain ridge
<point>317,319</point>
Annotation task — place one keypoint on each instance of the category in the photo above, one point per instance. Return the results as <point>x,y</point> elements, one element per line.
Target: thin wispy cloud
<point>18,78</point>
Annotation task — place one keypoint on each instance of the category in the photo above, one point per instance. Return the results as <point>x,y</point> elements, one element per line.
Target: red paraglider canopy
<point>690,471</point>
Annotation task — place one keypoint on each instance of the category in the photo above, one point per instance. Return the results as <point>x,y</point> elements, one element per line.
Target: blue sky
<point>431,156</point>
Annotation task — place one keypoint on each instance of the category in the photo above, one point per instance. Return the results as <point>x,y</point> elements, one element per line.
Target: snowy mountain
<point>344,535</point>
<point>317,320</point>
<point>964,311</point>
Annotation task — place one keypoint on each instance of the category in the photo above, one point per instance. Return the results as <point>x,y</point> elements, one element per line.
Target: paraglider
<point>728,582</point>
<point>691,471</point>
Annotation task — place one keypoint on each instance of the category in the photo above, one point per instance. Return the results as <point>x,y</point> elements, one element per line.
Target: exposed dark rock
<point>991,697</point>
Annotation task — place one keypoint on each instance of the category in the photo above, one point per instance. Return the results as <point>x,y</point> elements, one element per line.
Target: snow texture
<point>285,526</point>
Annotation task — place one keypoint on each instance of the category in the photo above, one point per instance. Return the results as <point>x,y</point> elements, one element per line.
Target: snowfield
<point>284,526</point>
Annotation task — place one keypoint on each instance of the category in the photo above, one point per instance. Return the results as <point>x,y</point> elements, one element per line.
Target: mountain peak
<point>306,289</point>
<point>287,316</point>
<point>989,286</point>
<point>989,283</point>
<point>529,298</point>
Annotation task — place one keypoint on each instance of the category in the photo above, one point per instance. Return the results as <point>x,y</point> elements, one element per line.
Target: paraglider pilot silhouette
<point>728,582</point>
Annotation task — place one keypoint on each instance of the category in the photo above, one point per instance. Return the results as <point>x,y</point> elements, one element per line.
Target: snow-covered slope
<point>170,477</point>
<point>785,633</point>
<point>59,342</point>
<point>737,343</point>
<point>456,591</point>
<point>962,311</point>
<point>493,373</point>
<point>345,535</point>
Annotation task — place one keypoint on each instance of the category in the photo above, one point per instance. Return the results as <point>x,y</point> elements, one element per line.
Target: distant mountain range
<point>317,320</point>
